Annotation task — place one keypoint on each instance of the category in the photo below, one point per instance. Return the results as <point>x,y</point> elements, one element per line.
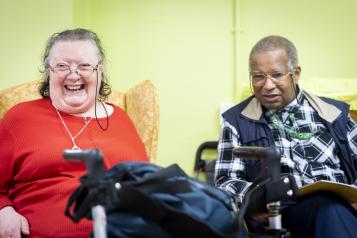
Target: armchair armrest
<point>9,97</point>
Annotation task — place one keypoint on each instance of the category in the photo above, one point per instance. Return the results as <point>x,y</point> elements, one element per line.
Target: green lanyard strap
<point>292,131</point>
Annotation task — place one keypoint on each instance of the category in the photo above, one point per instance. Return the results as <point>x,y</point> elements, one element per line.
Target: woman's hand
<point>12,224</point>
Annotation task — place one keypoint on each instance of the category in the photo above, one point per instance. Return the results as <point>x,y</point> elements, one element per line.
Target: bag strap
<point>85,206</point>
<point>87,195</point>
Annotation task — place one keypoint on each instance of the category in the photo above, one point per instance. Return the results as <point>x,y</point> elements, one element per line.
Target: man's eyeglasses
<point>84,70</point>
<point>258,79</point>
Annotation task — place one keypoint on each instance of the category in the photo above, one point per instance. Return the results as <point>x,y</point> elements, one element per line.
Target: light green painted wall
<point>185,48</point>
<point>324,32</point>
<point>25,27</point>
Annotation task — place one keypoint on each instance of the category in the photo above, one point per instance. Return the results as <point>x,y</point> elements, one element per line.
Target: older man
<point>316,136</point>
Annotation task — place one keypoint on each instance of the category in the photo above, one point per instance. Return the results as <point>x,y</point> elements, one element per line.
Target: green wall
<point>195,51</point>
<point>25,27</point>
<point>324,32</point>
<point>185,48</point>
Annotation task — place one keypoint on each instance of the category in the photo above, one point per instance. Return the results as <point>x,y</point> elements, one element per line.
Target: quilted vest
<point>257,133</point>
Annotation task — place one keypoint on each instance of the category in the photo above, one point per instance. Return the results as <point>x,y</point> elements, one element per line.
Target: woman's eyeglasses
<point>84,70</point>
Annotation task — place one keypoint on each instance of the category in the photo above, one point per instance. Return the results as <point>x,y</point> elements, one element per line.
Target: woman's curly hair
<point>74,35</point>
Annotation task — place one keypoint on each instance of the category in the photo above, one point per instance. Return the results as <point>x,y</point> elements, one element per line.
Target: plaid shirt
<point>307,159</point>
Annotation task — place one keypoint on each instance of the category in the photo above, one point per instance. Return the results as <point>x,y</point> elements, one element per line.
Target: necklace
<point>75,146</point>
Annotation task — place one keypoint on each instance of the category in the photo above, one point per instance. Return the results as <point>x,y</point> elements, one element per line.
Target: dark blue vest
<point>258,133</point>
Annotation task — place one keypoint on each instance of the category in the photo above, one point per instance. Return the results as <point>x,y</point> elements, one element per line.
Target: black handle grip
<point>256,152</point>
<point>269,156</point>
<point>93,159</point>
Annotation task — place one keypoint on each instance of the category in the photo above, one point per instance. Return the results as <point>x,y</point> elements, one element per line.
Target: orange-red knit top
<point>34,177</point>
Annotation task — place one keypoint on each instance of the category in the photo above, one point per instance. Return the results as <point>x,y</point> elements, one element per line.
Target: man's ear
<point>296,74</point>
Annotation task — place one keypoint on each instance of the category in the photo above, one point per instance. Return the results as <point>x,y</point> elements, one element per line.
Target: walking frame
<point>95,172</point>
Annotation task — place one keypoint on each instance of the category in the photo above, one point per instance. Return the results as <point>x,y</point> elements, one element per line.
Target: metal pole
<point>99,222</point>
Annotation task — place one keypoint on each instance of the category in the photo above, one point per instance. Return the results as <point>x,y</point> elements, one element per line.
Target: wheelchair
<point>270,172</point>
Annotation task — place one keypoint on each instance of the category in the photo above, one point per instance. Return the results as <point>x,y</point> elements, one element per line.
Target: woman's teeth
<point>74,87</point>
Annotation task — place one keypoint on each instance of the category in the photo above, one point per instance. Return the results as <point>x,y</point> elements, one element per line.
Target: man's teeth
<point>74,87</point>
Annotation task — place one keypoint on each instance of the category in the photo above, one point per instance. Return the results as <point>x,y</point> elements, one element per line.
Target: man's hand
<point>262,218</point>
<point>354,205</point>
<point>12,224</point>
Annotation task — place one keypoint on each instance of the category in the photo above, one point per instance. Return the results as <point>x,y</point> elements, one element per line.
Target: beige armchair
<point>354,114</point>
<point>140,102</point>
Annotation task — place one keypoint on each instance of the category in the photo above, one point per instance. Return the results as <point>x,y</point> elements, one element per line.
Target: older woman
<point>35,180</point>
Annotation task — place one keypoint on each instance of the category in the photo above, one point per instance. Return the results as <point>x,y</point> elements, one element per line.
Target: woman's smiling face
<point>70,91</point>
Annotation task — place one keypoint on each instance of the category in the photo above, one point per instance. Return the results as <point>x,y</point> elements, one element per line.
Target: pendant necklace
<point>75,146</point>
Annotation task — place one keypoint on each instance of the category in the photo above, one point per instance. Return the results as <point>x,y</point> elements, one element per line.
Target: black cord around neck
<point>95,108</point>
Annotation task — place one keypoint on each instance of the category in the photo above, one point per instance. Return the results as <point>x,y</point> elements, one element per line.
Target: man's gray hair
<point>275,42</point>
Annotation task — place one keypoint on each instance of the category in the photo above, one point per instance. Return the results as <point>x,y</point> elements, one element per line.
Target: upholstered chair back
<point>140,103</point>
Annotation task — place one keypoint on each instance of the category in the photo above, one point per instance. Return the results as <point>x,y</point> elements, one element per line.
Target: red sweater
<point>34,177</point>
